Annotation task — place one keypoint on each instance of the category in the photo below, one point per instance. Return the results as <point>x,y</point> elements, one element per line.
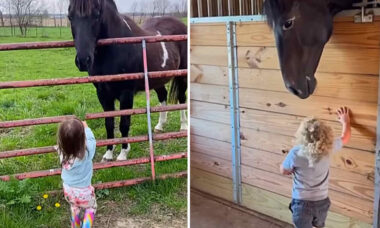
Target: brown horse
<point>92,20</point>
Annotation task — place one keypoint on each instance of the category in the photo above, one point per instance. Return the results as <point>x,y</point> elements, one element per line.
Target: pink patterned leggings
<point>81,199</point>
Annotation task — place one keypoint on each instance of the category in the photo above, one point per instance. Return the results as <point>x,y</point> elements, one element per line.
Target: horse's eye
<point>288,24</point>
<point>70,17</point>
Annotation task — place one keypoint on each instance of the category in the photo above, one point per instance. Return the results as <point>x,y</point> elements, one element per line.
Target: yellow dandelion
<point>57,205</point>
<point>45,196</point>
<point>39,208</point>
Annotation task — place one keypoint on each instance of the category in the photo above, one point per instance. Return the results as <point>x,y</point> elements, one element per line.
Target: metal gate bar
<point>91,116</point>
<point>99,143</point>
<point>97,166</point>
<point>91,79</point>
<point>104,42</point>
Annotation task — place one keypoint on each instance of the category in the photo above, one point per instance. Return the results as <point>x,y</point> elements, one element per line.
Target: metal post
<point>253,7</point>
<point>376,204</point>
<point>240,7</point>
<point>230,7</point>
<point>234,110</point>
<point>147,91</point>
<point>209,8</point>
<point>200,8</point>
<point>220,8</point>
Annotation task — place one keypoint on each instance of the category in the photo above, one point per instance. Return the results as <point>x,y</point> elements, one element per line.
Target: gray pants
<point>309,214</point>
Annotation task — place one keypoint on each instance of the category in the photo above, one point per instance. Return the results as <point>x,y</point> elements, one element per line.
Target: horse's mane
<point>85,7</point>
<point>273,9</point>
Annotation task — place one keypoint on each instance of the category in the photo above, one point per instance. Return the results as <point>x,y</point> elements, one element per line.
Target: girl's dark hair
<point>71,139</point>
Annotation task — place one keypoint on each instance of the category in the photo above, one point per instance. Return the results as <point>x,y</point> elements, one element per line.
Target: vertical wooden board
<point>208,34</point>
<point>345,86</point>
<point>213,75</point>
<point>334,60</point>
<point>276,206</point>
<point>210,183</point>
<point>345,35</point>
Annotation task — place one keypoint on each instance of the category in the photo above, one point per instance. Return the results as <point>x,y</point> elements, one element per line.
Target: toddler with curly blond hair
<point>308,161</point>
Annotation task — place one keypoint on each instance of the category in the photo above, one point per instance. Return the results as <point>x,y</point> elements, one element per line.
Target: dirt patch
<point>116,215</point>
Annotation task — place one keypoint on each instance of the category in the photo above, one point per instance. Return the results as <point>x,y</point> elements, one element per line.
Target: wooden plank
<point>341,181</point>
<point>260,200</point>
<point>345,35</point>
<point>210,183</point>
<point>208,34</point>
<point>342,60</point>
<point>344,86</point>
<point>208,129</point>
<point>208,145</point>
<point>356,207</point>
<point>323,107</point>
<point>213,75</point>
<point>276,206</point>
<point>277,123</point>
<point>347,160</point>
<point>215,94</point>
<point>364,114</point>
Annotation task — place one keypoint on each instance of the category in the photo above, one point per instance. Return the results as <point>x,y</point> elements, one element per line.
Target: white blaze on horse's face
<point>165,56</point>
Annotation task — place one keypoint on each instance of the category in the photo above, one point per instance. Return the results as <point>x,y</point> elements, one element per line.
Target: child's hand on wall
<point>344,118</point>
<point>343,115</point>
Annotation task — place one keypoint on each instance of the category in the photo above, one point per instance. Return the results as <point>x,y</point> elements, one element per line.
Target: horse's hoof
<point>158,130</point>
<point>124,154</point>
<point>108,156</point>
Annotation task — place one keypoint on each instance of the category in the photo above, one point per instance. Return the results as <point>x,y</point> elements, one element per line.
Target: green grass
<point>72,100</point>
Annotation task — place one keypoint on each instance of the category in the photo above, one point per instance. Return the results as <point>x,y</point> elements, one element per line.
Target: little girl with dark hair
<point>76,149</point>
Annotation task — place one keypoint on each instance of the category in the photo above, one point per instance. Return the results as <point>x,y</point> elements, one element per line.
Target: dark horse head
<point>85,17</point>
<point>301,29</point>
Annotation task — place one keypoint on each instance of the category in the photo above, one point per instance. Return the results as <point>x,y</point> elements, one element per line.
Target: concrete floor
<point>207,212</point>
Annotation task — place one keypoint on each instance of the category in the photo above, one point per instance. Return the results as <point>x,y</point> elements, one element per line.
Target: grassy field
<point>18,200</point>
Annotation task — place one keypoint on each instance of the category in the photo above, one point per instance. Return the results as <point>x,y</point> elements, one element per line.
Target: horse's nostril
<point>293,91</point>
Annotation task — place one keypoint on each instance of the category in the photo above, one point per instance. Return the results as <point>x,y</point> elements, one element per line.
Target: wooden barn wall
<point>348,75</point>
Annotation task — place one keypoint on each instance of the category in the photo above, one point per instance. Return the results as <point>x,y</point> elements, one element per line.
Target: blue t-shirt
<point>309,183</point>
<point>78,173</point>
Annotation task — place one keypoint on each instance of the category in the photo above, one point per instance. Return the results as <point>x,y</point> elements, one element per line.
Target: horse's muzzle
<point>83,63</point>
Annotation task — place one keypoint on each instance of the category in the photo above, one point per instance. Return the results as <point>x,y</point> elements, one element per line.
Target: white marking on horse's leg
<point>124,153</point>
<point>165,55</point>
<point>162,121</point>
<point>184,120</point>
<point>108,156</point>
<point>127,24</point>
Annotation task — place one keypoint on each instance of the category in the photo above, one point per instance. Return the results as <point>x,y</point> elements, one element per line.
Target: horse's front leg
<point>126,102</point>
<point>108,104</point>
<point>162,94</point>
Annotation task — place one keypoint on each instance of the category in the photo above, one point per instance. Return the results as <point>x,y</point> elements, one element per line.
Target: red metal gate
<point>100,143</point>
